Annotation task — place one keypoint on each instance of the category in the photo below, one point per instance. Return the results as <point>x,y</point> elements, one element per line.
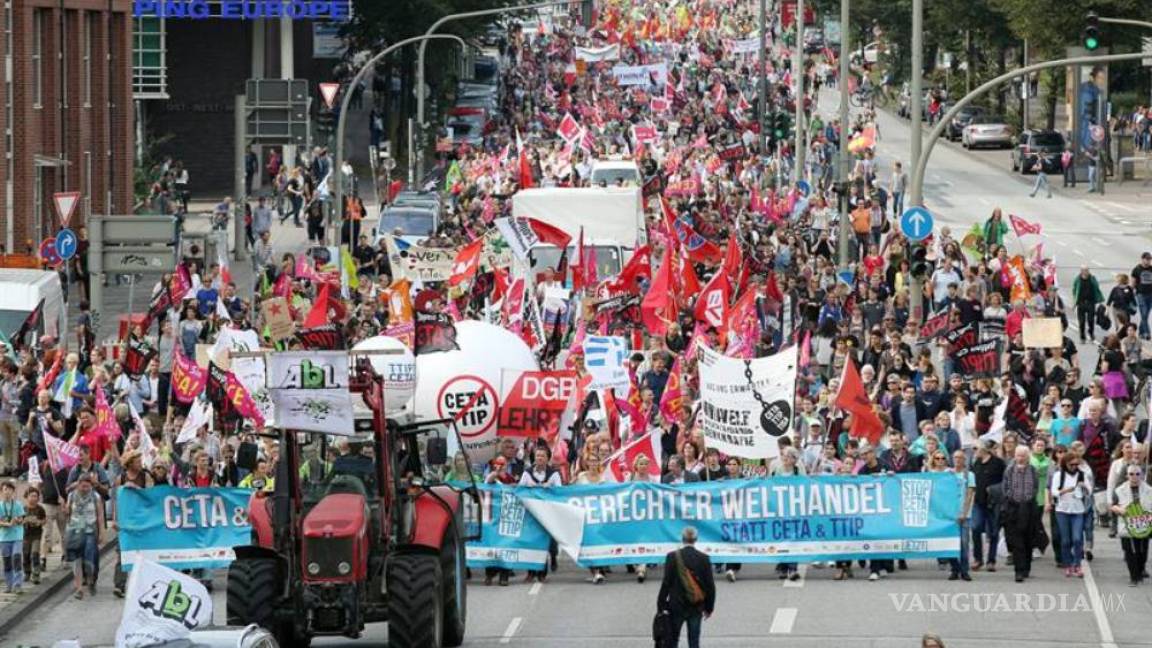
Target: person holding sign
<point>1132,503</point>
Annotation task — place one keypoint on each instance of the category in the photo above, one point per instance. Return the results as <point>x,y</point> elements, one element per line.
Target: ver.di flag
<point>62,455</point>
<point>161,605</point>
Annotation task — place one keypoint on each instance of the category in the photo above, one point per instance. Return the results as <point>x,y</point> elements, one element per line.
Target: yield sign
<point>66,202</point>
<point>328,92</point>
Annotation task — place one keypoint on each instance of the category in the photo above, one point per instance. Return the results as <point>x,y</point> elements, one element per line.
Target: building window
<point>89,32</point>
<point>149,51</point>
<point>38,58</point>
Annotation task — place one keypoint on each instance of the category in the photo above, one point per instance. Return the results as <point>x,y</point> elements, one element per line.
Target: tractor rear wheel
<point>254,589</point>
<point>415,601</point>
<point>452,568</point>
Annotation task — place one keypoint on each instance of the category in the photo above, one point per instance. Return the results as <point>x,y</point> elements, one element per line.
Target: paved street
<point>1097,612</point>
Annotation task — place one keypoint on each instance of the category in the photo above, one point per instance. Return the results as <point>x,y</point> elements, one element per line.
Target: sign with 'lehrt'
<point>307,370</point>
<point>535,402</point>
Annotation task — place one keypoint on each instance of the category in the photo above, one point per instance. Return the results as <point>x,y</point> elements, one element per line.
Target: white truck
<point>612,218</point>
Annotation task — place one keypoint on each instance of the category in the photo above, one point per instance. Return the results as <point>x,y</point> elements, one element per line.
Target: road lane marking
<point>535,589</point>
<point>985,201</point>
<point>1127,208</point>
<point>1107,640</point>
<point>803,571</point>
<point>1077,251</point>
<point>513,626</point>
<point>1098,264</point>
<point>783,621</point>
<point>1099,241</point>
<point>1061,243</point>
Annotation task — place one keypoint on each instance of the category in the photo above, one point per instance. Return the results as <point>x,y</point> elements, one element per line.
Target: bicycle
<point>862,97</point>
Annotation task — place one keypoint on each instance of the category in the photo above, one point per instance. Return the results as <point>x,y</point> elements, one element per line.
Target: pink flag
<point>61,454</point>
<point>805,349</point>
<point>106,425</point>
<point>188,379</point>
<point>242,401</point>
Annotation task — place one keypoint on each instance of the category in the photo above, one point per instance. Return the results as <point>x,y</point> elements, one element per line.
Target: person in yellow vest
<point>259,479</point>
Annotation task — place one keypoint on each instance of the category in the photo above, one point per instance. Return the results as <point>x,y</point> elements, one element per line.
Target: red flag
<point>673,396</point>
<point>733,257</point>
<point>621,462</point>
<point>654,309</point>
<point>1022,227</point>
<point>853,398</point>
<point>466,263</point>
<point>712,305</point>
<point>640,265</point>
<point>500,283</point>
<point>525,171</point>
<point>550,233</point>
<point>50,377</point>
<point>578,281</point>
<point>772,289</point>
<point>106,425</point>
<point>669,219</point>
<point>318,316</point>
<point>689,282</point>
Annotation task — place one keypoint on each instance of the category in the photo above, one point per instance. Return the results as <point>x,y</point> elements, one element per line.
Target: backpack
<point>693,593</point>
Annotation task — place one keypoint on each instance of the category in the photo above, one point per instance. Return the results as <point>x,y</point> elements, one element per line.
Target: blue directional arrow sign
<point>916,223</point>
<point>66,244</point>
<point>804,188</point>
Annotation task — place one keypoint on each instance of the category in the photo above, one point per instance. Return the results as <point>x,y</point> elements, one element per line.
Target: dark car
<point>963,118</point>
<point>1032,145</point>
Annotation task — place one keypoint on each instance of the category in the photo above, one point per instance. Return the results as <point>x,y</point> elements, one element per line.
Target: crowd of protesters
<point>1072,458</point>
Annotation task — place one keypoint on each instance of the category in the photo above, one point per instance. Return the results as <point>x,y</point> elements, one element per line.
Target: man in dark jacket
<point>687,592</point>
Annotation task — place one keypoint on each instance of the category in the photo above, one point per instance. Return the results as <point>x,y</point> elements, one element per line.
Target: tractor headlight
<point>313,568</point>
<point>344,568</point>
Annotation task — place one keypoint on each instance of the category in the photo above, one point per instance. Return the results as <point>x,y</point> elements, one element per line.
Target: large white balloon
<point>470,381</point>
<point>399,371</point>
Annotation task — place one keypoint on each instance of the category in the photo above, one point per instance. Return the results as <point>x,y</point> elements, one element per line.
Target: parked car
<point>411,224</point>
<point>987,130</point>
<point>956,126</point>
<point>1047,145</point>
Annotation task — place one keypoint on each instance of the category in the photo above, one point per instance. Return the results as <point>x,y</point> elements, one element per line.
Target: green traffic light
<point>1091,43</point>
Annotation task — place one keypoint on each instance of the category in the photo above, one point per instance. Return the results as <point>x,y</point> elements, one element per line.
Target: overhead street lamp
<point>440,23</point>
<point>346,99</point>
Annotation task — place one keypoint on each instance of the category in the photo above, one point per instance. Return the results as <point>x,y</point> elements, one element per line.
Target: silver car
<point>252,636</point>
<point>987,130</point>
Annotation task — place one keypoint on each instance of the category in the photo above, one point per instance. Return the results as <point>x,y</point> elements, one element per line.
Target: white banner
<point>745,46</point>
<point>316,410</point>
<point>518,234</point>
<point>641,75</point>
<point>198,416</point>
<point>732,419</point>
<point>251,373</point>
<point>604,359</point>
<point>307,370</point>
<point>597,54</point>
<point>162,605</point>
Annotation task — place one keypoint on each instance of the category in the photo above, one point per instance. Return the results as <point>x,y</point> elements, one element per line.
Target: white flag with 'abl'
<point>162,604</point>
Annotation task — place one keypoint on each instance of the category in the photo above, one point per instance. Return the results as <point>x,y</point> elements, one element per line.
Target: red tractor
<point>368,537</point>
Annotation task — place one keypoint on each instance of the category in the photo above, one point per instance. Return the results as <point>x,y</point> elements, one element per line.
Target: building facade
<point>68,115</point>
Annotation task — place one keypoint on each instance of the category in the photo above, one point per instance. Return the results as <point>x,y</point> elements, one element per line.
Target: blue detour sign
<point>66,244</point>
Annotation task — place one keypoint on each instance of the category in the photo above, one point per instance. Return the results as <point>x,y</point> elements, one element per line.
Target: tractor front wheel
<point>254,590</point>
<point>452,567</point>
<point>415,601</point>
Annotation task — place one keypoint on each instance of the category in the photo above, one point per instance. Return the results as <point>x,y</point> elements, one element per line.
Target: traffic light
<point>325,124</point>
<point>1091,36</point>
<point>920,268</point>
<point>780,126</point>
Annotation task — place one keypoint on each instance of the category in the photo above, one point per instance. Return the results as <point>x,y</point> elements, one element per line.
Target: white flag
<point>315,410</point>
<point>161,605</point>
<point>198,416</point>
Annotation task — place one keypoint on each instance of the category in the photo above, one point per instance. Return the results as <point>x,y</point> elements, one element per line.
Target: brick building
<point>67,113</point>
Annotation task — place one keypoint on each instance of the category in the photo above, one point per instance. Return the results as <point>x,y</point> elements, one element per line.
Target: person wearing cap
<point>1086,294</point>
<point>1131,499</point>
<point>1142,284</point>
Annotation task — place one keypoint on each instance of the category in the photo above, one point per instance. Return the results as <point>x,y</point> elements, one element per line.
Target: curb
<point>15,613</point>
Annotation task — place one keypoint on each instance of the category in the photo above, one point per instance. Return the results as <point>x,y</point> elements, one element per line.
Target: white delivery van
<point>21,291</point>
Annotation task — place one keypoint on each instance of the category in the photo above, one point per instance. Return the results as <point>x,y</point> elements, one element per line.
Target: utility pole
<point>917,297</point>
<point>1025,91</point>
<point>844,229</point>
<point>763,78</point>
<point>798,80</point>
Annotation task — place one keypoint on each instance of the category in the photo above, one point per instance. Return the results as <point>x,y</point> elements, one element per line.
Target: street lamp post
<point>437,25</point>
<point>345,100</point>
<point>844,162</point>
<point>798,80</point>
<point>916,300</point>
<point>763,78</point>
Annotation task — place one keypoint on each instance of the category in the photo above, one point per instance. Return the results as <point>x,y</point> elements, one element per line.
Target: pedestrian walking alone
<point>1086,293</point>
<point>1037,165</point>
<point>1068,167</point>
<point>1020,515</point>
<point>687,592</point>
